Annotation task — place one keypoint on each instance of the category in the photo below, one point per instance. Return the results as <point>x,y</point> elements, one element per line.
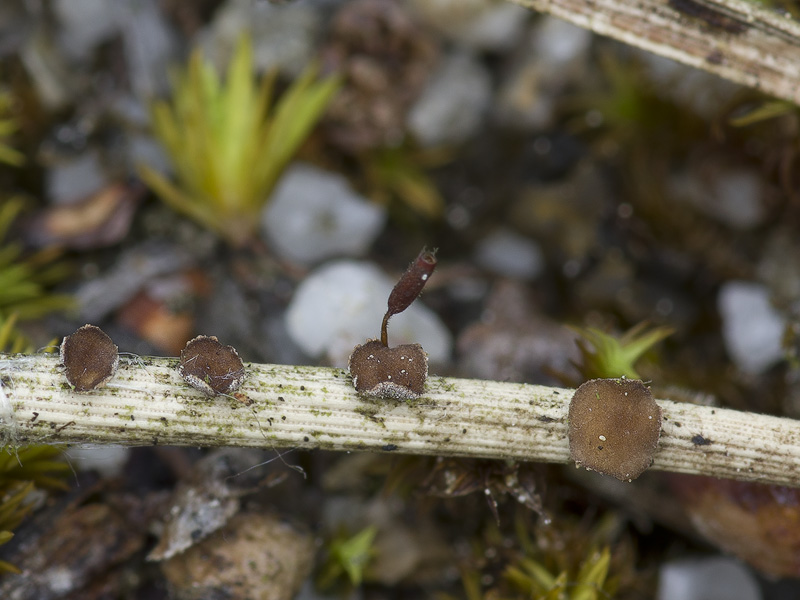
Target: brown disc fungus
<point>389,372</point>
<point>400,372</point>
<point>210,367</point>
<point>614,426</point>
<point>89,357</point>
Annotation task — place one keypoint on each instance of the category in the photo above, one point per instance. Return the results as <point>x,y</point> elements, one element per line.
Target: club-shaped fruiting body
<point>210,367</point>
<point>614,426</point>
<point>90,358</point>
<point>400,373</point>
<point>409,287</point>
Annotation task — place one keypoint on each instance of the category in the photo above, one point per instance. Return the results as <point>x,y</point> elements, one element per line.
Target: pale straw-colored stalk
<point>738,40</point>
<point>281,406</point>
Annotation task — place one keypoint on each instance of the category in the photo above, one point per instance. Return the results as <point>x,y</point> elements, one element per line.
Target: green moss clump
<point>8,126</point>
<point>22,471</point>
<point>227,142</point>
<point>604,356</point>
<point>347,558</point>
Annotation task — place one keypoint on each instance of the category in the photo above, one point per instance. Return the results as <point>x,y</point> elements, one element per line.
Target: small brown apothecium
<point>400,372</point>
<point>89,357</point>
<point>210,367</point>
<point>389,372</point>
<point>614,426</point>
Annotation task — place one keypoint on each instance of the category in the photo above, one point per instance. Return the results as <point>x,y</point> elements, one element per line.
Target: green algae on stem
<point>455,417</point>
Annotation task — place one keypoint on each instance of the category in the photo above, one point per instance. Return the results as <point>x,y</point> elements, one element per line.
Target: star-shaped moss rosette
<point>229,142</point>
<point>603,355</point>
<point>400,372</point>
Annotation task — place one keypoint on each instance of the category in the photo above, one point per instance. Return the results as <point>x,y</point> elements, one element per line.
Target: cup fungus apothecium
<point>614,426</point>
<point>389,372</point>
<point>400,372</point>
<point>210,367</point>
<point>90,358</point>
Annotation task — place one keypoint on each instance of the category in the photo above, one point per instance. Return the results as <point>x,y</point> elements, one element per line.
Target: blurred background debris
<point>264,171</point>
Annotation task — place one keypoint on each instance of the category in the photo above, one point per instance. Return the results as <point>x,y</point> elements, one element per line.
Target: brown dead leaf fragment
<point>758,523</point>
<point>155,322</point>
<point>162,311</point>
<point>100,220</point>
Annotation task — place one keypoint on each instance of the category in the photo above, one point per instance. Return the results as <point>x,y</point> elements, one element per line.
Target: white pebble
<point>342,303</point>
<point>284,35</point>
<point>314,215</point>
<point>510,254</point>
<point>454,103</point>
<point>106,460</point>
<point>752,328</point>
<point>714,578</point>
<point>71,181</point>
<point>84,24</point>
<point>558,42</point>
<point>733,196</point>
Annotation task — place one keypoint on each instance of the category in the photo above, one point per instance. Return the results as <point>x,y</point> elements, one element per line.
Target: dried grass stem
<point>281,406</point>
